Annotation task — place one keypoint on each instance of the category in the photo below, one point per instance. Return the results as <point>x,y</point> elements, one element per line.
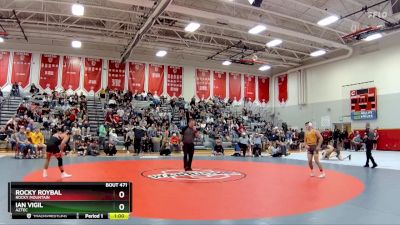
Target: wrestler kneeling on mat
<point>327,151</point>
<point>55,147</point>
<point>313,142</point>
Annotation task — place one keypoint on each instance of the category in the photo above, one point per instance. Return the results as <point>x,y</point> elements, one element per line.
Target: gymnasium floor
<point>256,190</point>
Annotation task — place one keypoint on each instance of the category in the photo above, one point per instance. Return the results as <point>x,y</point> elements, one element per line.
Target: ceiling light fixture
<point>318,53</point>
<point>78,9</point>
<point>192,27</point>
<point>328,20</point>
<point>226,63</point>
<point>264,68</point>
<point>274,43</point>
<point>372,37</point>
<point>76,44</point>
<point>1,39</point>
<point>161,53</point>
<point>257,29</point>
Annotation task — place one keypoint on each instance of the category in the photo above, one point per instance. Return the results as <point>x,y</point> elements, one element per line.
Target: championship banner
<point>156,79</point>
<point>49,65</point>
<point>283,88</point>
<point>21,70</point>
<point>174,81</point>
<point>92,78</point>
<point>220,84</point>
<point>250,87</point>
<point>71,74</point>
<point>116,75</point>
<point>203,83</point>
<point>235,86</point>
<point>263,89</point>
<point>4,64</point>
<point>364,104</point>
<point>136,77</point>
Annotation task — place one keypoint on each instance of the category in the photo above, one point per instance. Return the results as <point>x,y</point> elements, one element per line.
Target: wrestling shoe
<point>44,173</point>
<point>312,174</point>
<point>65,175</point>
<point>322,175</point>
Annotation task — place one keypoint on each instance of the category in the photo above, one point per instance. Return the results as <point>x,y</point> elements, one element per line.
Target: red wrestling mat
<point>217,190</point>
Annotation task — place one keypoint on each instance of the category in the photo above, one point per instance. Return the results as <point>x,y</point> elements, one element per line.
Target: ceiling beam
<point>235,20</point>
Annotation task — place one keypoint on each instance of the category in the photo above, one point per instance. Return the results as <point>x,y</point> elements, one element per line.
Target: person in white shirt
<point>112,103</point>
<point>120,112</point>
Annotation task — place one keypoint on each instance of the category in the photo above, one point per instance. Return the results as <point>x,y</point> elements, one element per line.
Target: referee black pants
<point>188,152</point>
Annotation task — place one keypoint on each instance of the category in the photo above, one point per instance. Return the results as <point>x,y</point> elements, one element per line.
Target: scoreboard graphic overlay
<point>364,104</point>
<point>70,200</point>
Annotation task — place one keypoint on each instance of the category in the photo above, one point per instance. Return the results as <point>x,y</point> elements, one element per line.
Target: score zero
<point>114,185</point>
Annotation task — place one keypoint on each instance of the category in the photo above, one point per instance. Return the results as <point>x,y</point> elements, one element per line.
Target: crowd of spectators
<point>40,113</point>
<point>156,128</point>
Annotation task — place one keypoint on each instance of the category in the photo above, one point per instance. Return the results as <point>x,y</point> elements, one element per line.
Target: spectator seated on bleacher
<point>3,138</point>
<point>25,147</point>
<point>93,148</point>
<point>165,148</point>
<point>357,142</point>
<point>110,150</point>
<point>175,143</point>
<point>218,148</point>
<point>81,147</point>
<point>37,139</point>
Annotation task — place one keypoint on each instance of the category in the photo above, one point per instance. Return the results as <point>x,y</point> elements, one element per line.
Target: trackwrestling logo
<point>197,175</point>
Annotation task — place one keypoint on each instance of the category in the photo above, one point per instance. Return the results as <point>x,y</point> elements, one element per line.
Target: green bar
<point>78,207</point>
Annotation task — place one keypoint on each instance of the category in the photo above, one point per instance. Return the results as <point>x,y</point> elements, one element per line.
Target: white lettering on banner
<point>156,75</point>
<point>116,83</point>
<point>92,82</point>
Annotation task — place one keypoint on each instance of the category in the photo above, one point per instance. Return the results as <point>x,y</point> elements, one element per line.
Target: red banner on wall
<point>203,83</point>
<point>250,87</point>
<point>156,79</point>
<point>92,79</point>
<point>136,77</point>
<point>71,74</point>
<point>21,70</point>
<point>283,88</point>
<point>235,86</point>
<point>174,81</point>
<point>263,89</point>
<point>4,64</point>
<point>49,65</point>
<point>116,75</point>
<point>220,84</point>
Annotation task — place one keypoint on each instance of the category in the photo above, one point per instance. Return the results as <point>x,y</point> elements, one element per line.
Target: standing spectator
<point>129,137</point>
<point>76,135</point>
<point>376,139</point>
<point>140,132</point>
<point>102,136</point>
<point>257,145</point>
<point>15,90</point>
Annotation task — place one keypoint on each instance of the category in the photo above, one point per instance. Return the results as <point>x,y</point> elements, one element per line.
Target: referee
<point>188,135</point>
